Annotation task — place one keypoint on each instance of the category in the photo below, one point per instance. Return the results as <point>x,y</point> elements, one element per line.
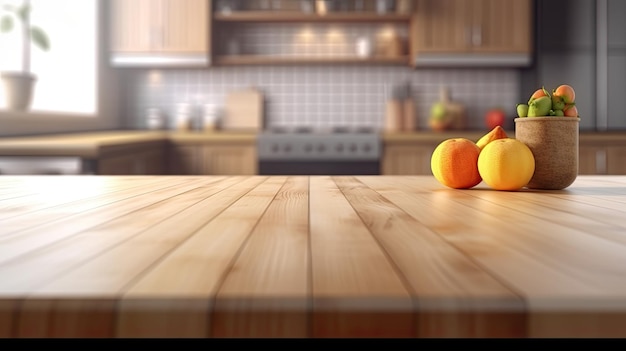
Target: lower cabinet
<point>148,160</point>
<point>407,159</point>
<point>208,159</point>
<point>410,155</point>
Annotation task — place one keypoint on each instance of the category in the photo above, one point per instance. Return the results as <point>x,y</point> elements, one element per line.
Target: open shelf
<point>295,16</point>
<point>269,60</point>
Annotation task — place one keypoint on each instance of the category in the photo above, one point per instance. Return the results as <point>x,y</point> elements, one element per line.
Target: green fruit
<point>559,113</point>
<point>558,103</point>
<point>540,107</point>
<point>522,110</point>
<point>438,111</point>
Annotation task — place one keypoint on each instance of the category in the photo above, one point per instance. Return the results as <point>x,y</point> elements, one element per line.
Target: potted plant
<point>19,85</point>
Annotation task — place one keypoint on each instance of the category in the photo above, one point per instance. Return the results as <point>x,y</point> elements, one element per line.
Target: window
<point>66,74</point>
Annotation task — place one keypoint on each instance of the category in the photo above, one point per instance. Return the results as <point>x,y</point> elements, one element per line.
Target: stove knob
<point>308,147</point>
<point>339,148</point>
<point>367,148</point>
<point>353,148</point>
<point>321,148</point>
<point>275,148</point>
<point>287,148</point>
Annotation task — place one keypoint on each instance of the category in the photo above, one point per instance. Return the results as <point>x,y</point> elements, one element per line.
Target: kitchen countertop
<point>90,145</point>
<point>154,256</point>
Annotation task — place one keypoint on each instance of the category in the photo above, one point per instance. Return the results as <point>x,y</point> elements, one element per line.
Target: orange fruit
<point>495,134</point>
<point>506,164</point>
<point>454,163</point>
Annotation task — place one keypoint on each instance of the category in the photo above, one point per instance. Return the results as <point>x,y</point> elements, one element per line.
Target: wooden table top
<point>364,256</point>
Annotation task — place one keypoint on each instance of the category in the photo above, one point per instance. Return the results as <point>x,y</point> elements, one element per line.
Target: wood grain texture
<point>318,256</point>
<point>411,244</point>
<point>274,265</point>
<point>357,291</point>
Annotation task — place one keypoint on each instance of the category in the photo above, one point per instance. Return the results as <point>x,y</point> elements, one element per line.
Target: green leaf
<point>6,24</point>
<point>40,38</point>
<point>24,12</point>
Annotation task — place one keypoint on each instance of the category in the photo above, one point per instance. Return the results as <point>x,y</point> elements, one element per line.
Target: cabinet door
<point>616,160</point>
<point>160,26</point>
<point>230,160</point>
<point>134,26</point>
<point>591,160</point>
<point>441,26</point>
<point>185,26</point>
<point>185,160</point>
<point>501,26</point>
<point>147,162</point>
<point>407,160</point>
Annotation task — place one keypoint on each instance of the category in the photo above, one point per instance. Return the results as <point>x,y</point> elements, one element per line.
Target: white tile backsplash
<point>323,96</point>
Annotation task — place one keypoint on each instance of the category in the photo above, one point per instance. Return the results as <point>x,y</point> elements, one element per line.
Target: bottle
<point>154,120</point>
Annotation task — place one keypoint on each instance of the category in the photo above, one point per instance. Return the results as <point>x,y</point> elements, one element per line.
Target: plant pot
<point>18,88</point>
<point>554,144</point>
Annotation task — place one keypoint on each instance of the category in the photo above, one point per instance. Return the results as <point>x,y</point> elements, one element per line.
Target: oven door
<point>288,167</point>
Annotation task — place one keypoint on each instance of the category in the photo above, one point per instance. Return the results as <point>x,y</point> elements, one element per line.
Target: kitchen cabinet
<point>407,159</point>
<point>146,160</point>
<point>185,160</point>
<point>472,32</point>
<point>211,157</point>
<point>229,160</point>
<point>160,32</point>
<point>303,37</point>
<point>410,153</point>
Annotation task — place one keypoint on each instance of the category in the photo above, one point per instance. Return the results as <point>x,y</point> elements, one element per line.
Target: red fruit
<point>495,117</point>
<point>537,94</point>
<point>565,92</point>
<point>570,111</point>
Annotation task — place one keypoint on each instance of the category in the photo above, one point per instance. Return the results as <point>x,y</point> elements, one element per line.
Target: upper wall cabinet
<point>472,33</point>
<point>160,32</point>
<point>262,32</point>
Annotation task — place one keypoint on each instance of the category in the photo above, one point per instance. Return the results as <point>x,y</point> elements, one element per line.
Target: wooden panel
<point>516,253</point>
<point>149,161</point>
<point>616,160</point>
<point>148,309</point>
<point>185,26</point>
<point>50,261</point>
<point>185,160</point>
<point>274,265</point>
<point>484,306</point>
<point>505,26</point>
<point>357,291</point>
<point>441,26</point>
<point>32,231</point>
<point>132,26</point>
<point>591,160</point>
<point>108,274</point>
<point>230,160</point>
<point>407,159</point>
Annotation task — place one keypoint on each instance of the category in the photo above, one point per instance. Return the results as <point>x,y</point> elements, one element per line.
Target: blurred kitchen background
<point>263,66</point>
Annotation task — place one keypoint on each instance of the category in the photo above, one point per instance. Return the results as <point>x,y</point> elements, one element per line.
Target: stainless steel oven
<point>307,151</point>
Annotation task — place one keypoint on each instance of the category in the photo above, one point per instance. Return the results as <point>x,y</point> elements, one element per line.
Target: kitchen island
<point>309,256</point>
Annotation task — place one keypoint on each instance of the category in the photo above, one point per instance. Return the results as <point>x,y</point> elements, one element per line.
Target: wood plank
<point>54,192</point>
<point>8,308</point>
<point>453,288</point>
<point>59,223</point>
<point>165,302</point>
<point>49,262</point>
<point>557,269</point>
<point>357,291</point>
<point>109,274</point>
<point>266,293</point>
